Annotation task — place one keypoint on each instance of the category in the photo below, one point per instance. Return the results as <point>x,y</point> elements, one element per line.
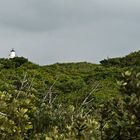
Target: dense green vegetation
<point>133,59</point>
<point>70,101</point>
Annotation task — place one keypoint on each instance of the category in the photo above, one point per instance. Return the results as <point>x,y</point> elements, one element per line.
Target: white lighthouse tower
<point>12,54</point>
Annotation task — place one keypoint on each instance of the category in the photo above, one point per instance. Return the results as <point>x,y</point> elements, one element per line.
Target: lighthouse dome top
<point>12,50</point>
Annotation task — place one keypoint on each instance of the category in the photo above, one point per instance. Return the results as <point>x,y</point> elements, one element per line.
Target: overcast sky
<point>50,31</point>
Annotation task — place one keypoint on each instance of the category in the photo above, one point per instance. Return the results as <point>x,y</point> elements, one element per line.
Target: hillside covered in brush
<point>71,81</point>
<point>70,100</point>
<point>131,60</point>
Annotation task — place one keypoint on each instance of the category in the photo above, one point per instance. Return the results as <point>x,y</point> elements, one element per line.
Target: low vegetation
<point>71,101</point>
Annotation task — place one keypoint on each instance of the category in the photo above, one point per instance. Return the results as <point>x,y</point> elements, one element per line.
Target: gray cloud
<point>49,31</point>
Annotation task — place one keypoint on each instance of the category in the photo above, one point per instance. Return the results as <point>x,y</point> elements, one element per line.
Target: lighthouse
<point>12,54</point>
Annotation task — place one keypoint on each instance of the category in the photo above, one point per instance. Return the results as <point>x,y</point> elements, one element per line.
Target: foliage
<point>13,62</point>
<point>124,121</point>
<point>130,60</point>
<point>68,101</point>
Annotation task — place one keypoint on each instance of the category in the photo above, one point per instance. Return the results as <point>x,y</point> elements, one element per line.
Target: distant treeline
<point>133,59</point>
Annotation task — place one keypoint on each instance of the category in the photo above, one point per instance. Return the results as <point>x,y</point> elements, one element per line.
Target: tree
<point>124,119</point>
